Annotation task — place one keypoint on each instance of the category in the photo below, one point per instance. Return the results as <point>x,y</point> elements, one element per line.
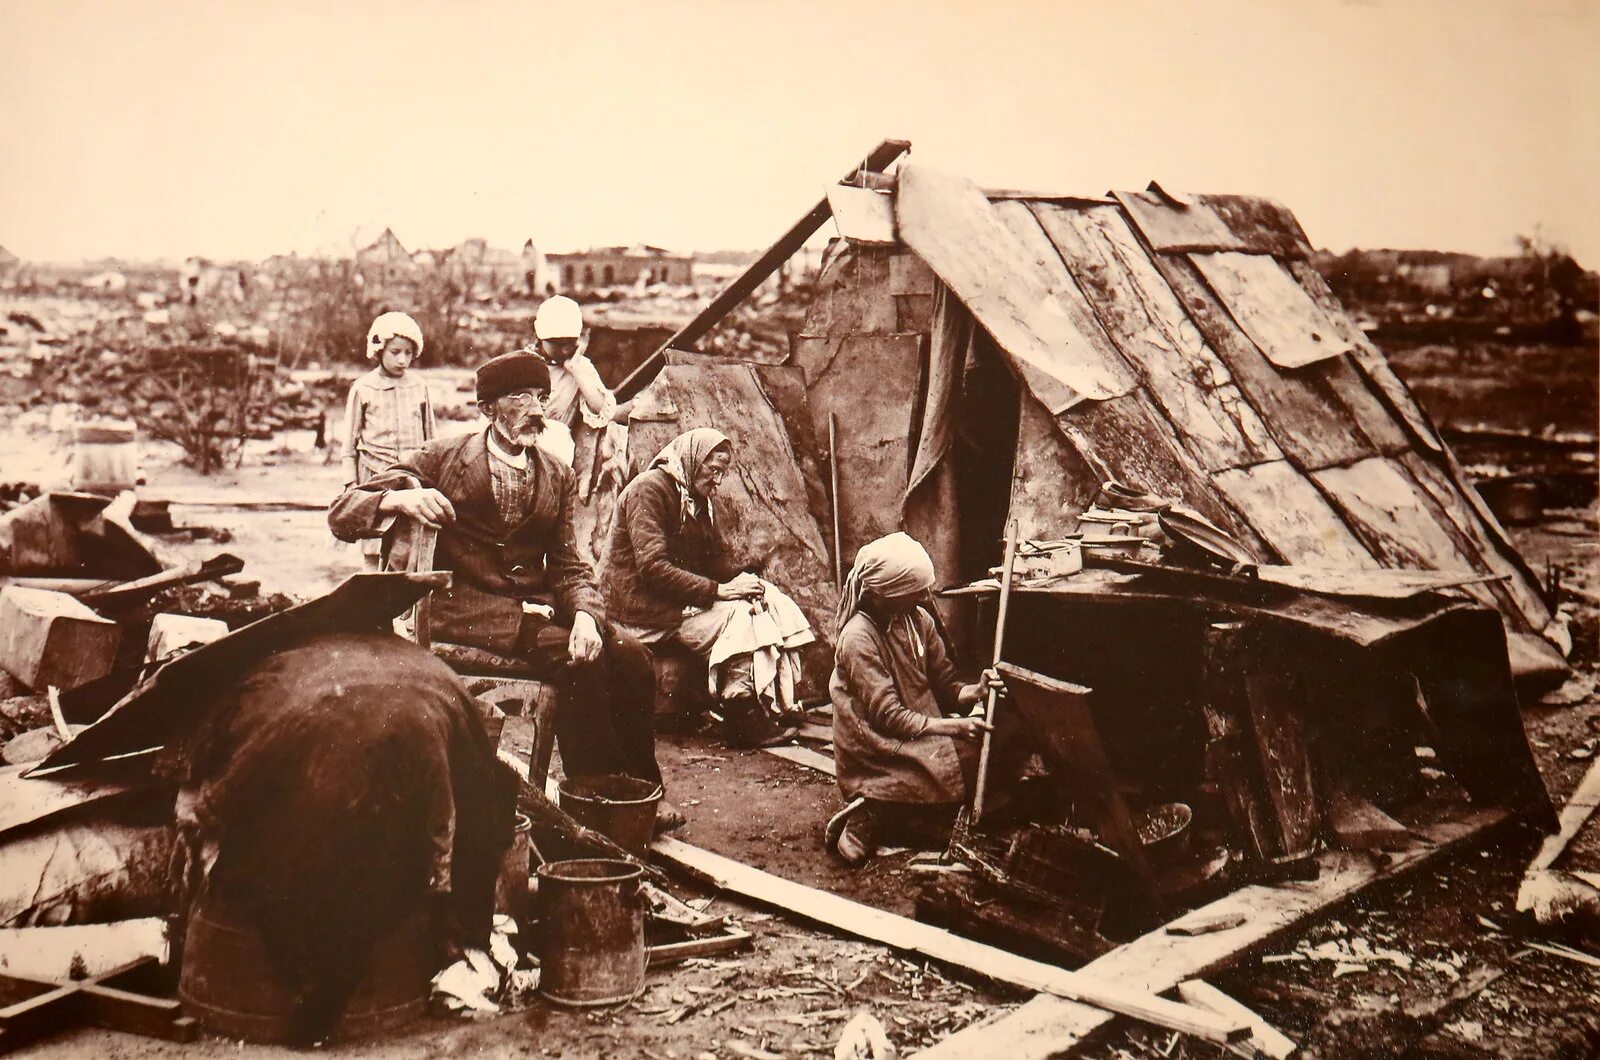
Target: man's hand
<point>425,505</point>
<point>742,587</point>
<point>584,644</point>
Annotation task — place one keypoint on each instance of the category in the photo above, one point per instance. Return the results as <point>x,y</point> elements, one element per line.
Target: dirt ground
<point>1452,976</point>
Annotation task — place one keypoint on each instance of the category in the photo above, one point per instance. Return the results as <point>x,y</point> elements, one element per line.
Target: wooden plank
<point>1371,361</point>
<point>1571,819</point>
<point>952,227</point>
<point>805,756</point>
<point>903,933</point>
<point>1359,825</point>
<point>1257,698</point>
<point>1292,517</point>
<point>1057,716</point>
<point>24,800</point>
<point>909,274</point>
<point>877,160</point>
<point>1143,317</point>
<point>1068,297</point>
<point>1051,484</point>
<point>1306,421</point>
<point>81,949</point>
<point>870,383</point>
<point>1051,1026</point>
<point>715,946</point>
<point>1171,227</point>
<point>1383,505</point>
<point>853,295</point>
<point>1263,1036</point>
<point>50,639</point>
<point>1262,225</point>
<point>1496,555</point>
<point>1271,308</point>
<point>1128,440</point>
<point>131,1013</point>
<point>863,215</point>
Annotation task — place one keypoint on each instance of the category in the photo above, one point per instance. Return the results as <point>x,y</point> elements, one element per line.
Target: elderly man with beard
<point>504,508</point>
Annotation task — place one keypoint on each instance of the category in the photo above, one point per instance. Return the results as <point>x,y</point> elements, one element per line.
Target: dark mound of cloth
<point>344,780</point>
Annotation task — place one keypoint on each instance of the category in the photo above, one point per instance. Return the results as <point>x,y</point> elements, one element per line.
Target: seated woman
<point>905,751</point>
<point>668,577</point>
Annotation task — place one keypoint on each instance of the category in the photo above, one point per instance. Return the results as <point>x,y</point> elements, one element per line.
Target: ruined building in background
<point>621,267</point>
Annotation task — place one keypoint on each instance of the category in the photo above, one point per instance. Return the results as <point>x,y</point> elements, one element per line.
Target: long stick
<point>880,158</point>
<point>833,476</point>
<point>999,641</point>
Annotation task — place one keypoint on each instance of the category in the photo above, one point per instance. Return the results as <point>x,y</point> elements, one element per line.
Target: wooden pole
<point>878,160</point>
<point>833,477</point>
<point>999,641</point>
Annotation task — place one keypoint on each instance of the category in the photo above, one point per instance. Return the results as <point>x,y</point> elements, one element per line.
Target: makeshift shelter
<point>997,355</point>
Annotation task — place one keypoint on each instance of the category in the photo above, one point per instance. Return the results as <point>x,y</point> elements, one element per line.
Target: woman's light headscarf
<point>392,325</point>
<point>896,565</point>
<point>681,459</point>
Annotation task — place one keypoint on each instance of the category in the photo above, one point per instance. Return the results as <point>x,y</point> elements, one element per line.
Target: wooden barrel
<point>229,983</point>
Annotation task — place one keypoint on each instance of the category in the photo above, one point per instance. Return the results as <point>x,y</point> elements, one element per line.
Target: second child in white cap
<point>576,390</point>
<point>389,416</point>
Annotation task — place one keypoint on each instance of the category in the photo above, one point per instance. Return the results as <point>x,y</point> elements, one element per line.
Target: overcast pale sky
<point>241,129</point>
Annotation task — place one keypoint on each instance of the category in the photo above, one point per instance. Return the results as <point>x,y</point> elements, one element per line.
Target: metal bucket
<point>619,807</point>
<point>229,985</point>
<point>591,932</point>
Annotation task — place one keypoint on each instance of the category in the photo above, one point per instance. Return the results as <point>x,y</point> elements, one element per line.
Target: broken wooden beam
<point>902,933</point>
<point>1359,825</point>
<point>1263,1036</point>
<point>1157,962</point>
<point>38,1008</point>
<point>1571,819</point>
<point>879,159</point>
<point>804,756</point>
<point>49,639</point>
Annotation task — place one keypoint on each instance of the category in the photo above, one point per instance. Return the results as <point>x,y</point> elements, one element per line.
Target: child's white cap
<point>387,327</point>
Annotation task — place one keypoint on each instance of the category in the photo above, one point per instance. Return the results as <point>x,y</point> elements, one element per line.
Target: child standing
<point>389,416</point>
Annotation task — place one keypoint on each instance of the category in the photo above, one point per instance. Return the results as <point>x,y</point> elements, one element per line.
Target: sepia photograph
<point>740,530</point>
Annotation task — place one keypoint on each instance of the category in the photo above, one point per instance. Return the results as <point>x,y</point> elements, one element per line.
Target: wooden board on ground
<point>1172,227</point>
<point>1051,1026</point>
<point>952,227</point>
<point>1359,825</point>
<point>1263,1036</point>
<point>1306,421</point>
<point>805,756</point>
<point>1143,317</point>
<point>902,933</point>
<point>763,511</point>
<point>1271,308</point>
